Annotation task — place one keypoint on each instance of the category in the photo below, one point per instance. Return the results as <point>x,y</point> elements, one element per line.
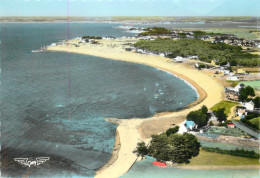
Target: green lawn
<point>209,158</point>
<point>224,104</point>
<point>253,84</point>
<point>256,121</point>
<point>233,83</point>
<point>240,32</point>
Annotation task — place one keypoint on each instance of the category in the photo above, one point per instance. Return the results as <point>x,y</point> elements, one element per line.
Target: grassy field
<point>253,84</point>
<point>224,104</point>
<point>256,121</point>
<point>209,158</point>
<point>233,83</point>
<point>249,34</point>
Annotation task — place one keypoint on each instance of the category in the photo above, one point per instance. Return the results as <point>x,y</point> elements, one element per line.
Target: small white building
<point>162,54</point>
<point>238,87</point>
<point>140,51</point>
<point>241,111</point>
<point>226,72</point>
<point>190,125</point>
<point>233,78</point>
<point>197,65</point>
<point>179,59</point>
<point>193,57</point>
<point>250,105</point>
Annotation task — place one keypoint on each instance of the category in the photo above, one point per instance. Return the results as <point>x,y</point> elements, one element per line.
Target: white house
<point>140,51</point>
<point>226,72</point>
<point>233,78</point>
<point>197,65</point>
<point>193,57</point>
<point>190,125</point>
<point>238,87</point>
<point>179,59</point>
<point>241,111</point>
<point>162,54</point>
<point>186,126</point>
<point>250,105</point>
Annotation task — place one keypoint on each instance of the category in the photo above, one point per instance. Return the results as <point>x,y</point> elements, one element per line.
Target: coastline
<point>130,130</point>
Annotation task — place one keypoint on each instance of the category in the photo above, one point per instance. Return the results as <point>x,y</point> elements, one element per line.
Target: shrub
<point>141,149</point>
<point>172,131</point>
<point>237,152</point>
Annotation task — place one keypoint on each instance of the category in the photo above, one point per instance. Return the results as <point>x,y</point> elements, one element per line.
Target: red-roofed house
<point>231,125</point>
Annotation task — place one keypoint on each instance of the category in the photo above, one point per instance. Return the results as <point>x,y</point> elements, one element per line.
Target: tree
<point>242,95</point>
<point>141,149</point>
<point>220,114</point>
<point>176,148</point>
<point>257,102</point>
<point>204,109</point>
<point>249,91</point>
<point>233,63</point>
<point>172,131</point>
<point>199,117</point>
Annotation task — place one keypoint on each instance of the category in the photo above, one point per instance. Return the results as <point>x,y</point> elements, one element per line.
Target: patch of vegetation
<point>155,31</point>
<point>220,114</point>
<point>237,152</point>
<point>224,104</point>
<point>205,50</point>
<point>233,83</point>
<point>200,117</point>
<point>256,122</point>
<point>172,130</point>
<point>201,33</point>
<point>141,149</point>
<point>245,92</point>
<point>252,120</point>
<point>175,147</point>
<point>212,158</point>
<point>256,100</point>
<point>182,35</point>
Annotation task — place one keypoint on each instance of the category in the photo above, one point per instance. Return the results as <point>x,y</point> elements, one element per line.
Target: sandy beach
<point>135,130</point>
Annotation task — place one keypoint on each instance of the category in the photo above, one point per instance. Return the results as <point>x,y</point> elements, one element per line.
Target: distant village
<point>214,38</point>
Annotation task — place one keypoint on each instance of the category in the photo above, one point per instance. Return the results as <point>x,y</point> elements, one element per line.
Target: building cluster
<point>235,41</point>
<point>224,38</point>
<point>233,93</point>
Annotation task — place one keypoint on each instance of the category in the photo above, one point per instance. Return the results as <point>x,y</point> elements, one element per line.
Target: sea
<point>53,104</point>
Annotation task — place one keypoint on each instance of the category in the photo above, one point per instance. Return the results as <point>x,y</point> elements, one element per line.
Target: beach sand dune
<point>133,131</point>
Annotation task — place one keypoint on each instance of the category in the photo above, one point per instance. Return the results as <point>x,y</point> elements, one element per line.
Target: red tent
<point>157,163</point>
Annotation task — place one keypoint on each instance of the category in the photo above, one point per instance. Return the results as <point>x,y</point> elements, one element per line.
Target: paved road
<point>246,129</point>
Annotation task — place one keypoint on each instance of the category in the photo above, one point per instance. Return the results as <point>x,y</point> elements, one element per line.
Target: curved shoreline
<point>209,94</point>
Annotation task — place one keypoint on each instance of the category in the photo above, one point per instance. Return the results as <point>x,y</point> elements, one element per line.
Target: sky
<point>129,7</point>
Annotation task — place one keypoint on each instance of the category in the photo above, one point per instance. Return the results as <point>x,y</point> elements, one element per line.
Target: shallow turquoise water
<point>145,169</point>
